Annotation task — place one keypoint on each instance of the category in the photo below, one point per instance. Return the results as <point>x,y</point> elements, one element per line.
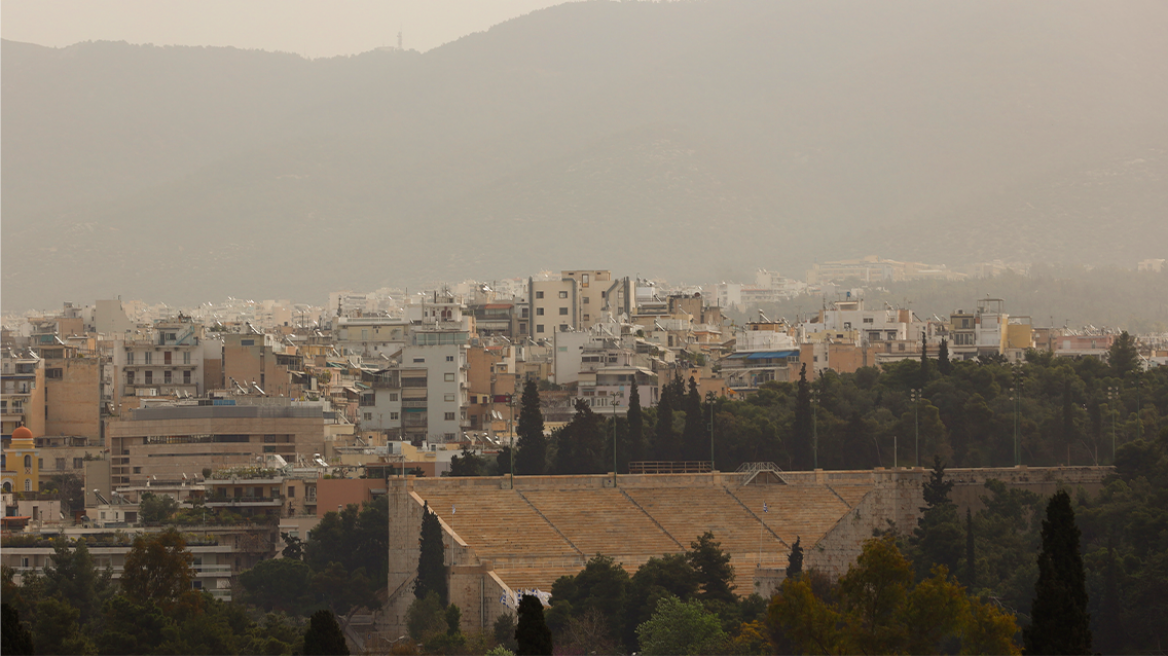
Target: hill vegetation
<point>686,140</point>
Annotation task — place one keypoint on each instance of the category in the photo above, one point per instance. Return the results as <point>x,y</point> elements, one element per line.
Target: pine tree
<point>715,573</point>
<point>800,448</point>
<point>17,639</point>
<point>431,560</point>
<point>664,439</point>
<point>1060,623</point>
<point>532,635</point>
<point>694,437</point>
<point>324,636</point>
<point>795,560</point>
<point>636,421</point>
<point>1111,637</point>
<point>1123,356</point>
<point>531,447</point>
<point>943,363</point>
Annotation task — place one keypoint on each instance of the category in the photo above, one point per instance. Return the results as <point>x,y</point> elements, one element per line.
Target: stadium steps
<point>602,521</point>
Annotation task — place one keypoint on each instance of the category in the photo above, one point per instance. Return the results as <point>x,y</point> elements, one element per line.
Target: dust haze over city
<point>298,355</point>
<point>691,142</point>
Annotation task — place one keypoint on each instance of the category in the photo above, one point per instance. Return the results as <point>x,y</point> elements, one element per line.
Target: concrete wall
<point>73,401</point>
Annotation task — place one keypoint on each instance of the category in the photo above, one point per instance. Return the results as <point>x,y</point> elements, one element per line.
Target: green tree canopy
<point>681,627</point>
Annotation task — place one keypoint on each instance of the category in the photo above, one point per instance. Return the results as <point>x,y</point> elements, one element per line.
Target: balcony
<point>414,403</point>
<point>212,570</point>
<point>245,502</point>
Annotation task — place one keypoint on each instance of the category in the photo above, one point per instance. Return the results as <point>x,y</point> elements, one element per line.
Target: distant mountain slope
<point>688,140</point>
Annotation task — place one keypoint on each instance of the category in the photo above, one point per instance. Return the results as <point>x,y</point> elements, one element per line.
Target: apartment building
<point>73,385</point>
<point>259,362</point>
<point>166,361</point>
<point>371,337</point>
<point>22,383</point>
<point>170,440</point>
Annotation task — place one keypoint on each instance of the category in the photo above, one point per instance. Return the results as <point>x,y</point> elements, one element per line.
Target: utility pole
<point>1112,398</point>
<point>511,430</point>
<point>710,402</point>
<point>615,403</point>
<point>915,394</point>
<point>814,429</point>
<point>1017,393</point>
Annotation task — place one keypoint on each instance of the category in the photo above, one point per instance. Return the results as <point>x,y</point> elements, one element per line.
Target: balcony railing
<point>219,502</point>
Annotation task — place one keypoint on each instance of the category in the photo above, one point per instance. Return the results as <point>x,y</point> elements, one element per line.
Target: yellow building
<point>22,468</point>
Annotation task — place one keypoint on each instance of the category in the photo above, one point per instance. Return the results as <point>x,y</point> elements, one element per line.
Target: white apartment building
<point>167,361</point>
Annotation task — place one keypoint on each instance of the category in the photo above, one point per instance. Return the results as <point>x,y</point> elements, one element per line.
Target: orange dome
<point>22,433</point>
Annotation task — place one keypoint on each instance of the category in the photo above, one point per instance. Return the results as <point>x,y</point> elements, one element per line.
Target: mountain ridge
<point>683,140</point>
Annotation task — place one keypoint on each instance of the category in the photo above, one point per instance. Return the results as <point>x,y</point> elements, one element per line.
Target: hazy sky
<point>314,28</point>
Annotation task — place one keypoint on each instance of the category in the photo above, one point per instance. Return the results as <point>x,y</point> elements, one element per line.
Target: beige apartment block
<point>169,441</point>
<point>256,359</point>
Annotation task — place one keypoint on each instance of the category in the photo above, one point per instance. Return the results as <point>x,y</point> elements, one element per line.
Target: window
<point>368,416</point>
<point>867,319</point>
<point>146,357</point>
<point>186,378</point>
<point>419,359</point>
<point>586,300</point>
<point>130,357</point>
<point>584,280</point>
<point>539,312</point>
<point>28,486</point>
<point>60,463</point>
<point>563,327</point>
<point>28,462</point>
<point>247,342</point>
<point>539,294</point>
<point>449,398</point>
<point>449,416</point>
<point>78,463</point>
<point>563,294</point>
<point>291,492</point>
<point>448,378</point>
<point>539,328</point>
<point>563,311</point>
<point>149,377</point>
<point>393,415</point>
<point>129,378</point>
<point>186,357</point>
<point>166,359</point>
<point>450,358</point>
<point>137,470</point>
<point>393,396</point>
<point>166,376</point>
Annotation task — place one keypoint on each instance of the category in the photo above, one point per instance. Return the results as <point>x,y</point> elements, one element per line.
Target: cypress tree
<point>431,560</point>
<point>694,437</point>
<point>795,560</point>
<point>1060,623</point>
<point>636,422</point>
<point>943,363</point>
<point>664,439</point>
<point>324,636</point>
<point>532,635</point>
<point>531,447</point>
<point>800,449</point>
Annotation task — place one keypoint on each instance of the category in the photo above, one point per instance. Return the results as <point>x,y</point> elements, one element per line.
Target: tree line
<point>1045,411</point>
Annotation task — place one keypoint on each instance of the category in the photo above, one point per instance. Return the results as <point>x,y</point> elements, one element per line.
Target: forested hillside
<point>687,140</point>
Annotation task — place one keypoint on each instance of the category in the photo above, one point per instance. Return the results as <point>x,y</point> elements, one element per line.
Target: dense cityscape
<point>872,359</point>
<point>250,440</point>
